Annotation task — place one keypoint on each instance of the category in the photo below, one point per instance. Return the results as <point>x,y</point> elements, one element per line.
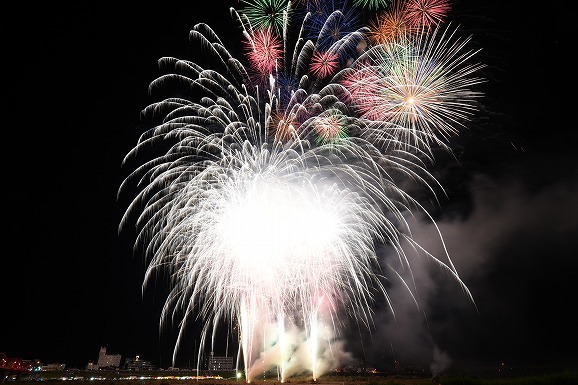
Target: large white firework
<point>267,202</point>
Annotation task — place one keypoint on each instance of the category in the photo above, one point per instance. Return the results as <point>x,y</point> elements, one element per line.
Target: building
<point>108,361</point>
<point>219,363</point>
<point>52,367</point>
<point>137,364</point>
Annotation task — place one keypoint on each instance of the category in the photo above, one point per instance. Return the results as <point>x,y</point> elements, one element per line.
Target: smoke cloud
<point>513,239</point>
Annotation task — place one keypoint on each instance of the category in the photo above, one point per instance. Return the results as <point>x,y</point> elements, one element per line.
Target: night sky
<point>74,80</point>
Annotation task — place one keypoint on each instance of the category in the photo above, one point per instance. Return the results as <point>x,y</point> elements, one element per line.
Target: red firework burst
<point>264,50</point>
<point>323,64</point>
<point>426,13</point>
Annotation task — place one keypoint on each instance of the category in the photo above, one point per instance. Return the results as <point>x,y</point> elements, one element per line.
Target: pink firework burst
<point>264,50</point>
<point>323,64</point>
<point>426,13</point>
<point>330,126</point>
<point>355,79</point>
<point>360,80</point>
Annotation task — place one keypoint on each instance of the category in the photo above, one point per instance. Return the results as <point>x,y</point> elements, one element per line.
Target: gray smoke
<point>502,250</point>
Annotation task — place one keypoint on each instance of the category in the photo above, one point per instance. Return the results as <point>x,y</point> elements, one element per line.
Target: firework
<point>390,26</point>
<point>266,13</point>
<point>426,14</point>
<point>423,87</point>
<point>323,64</point>
<point>372,4</point>
<point>331,126</point>
<point>264,51</point>
<point>330,21</point>
<point>305,2</point>
<point>272,198</point>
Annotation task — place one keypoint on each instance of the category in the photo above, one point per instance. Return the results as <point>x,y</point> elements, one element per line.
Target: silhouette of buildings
<point>137,364</point>
<point>105,361</point>
<point>216,363</point>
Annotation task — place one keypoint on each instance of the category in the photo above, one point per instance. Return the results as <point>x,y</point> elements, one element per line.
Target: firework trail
<point>279,175</point>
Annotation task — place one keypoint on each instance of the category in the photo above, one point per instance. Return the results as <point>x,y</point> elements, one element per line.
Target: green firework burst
<point>372,4</point>
<point>266,13</point>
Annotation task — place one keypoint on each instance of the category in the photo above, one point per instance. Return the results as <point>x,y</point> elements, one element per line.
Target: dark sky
<point>74,79</point>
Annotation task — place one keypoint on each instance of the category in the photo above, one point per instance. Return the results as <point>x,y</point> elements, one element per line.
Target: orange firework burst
<point>282,126</point>
<point>390,26</point>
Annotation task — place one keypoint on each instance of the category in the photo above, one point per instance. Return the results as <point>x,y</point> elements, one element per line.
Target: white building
<point>220,363</point>
<point>106,361</point>
<point>138,364</point>
<point>52,367</point>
